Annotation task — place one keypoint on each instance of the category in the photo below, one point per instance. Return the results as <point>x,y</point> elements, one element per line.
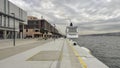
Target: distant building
<point>32,18</point>
<point>10,14</point>
<point>38,28</point>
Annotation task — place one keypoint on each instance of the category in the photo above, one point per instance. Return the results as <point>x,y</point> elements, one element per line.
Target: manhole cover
<point>45,56</point>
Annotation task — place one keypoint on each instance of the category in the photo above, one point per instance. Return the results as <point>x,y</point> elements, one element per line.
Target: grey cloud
<point>89,14</point>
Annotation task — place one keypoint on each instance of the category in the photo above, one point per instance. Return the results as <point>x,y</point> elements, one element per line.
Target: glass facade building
<point>11,14</point>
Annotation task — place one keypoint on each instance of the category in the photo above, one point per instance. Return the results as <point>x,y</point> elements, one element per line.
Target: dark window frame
<point>0,20</point>
<point>26,30</point>
<point>4,21</point>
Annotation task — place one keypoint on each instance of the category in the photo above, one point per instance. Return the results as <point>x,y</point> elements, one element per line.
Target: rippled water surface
<point>105,48</point>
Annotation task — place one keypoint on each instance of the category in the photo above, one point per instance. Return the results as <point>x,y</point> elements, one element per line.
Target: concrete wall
<point>24,17</point>
<point>14,9</point>
<point>1,5</point>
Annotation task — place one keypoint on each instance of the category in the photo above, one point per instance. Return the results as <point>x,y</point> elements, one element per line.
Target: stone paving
<point>10,50</point>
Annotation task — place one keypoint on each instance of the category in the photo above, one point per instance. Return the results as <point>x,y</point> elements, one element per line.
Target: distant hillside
<point>105,34</point>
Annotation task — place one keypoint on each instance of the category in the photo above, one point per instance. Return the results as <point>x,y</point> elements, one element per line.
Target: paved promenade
<point>9,42</point>
<point>7,49</point>
<point>59,53</point>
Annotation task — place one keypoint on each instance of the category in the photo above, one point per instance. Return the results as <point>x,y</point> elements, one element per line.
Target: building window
<point>26,30</point>
<point>42,23</point>
<point>4,21</point>
<point>8,22</point>
<point>21,30</point>
<point>36,30</point>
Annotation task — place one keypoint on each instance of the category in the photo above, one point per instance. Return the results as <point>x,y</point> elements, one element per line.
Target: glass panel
<point>4,21</point>
<point>11,22</point>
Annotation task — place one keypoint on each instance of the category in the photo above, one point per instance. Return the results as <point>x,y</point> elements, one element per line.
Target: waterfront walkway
<point>59,53</point>
<point>7,43</point>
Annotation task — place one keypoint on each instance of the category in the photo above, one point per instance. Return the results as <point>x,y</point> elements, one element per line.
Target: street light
<point>54,30</point>
<point>13,29</point>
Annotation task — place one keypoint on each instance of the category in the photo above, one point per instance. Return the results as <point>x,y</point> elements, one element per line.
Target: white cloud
<point>47,5</point>
<point>90,15</point>
<point>108,0</point>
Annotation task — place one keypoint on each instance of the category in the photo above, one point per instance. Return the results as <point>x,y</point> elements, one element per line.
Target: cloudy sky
<point>92,16</point>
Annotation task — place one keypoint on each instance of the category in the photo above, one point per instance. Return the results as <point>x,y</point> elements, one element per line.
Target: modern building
<point>39,28</point>
<point>32,28</point>
<point>32,18</point>
<point>11,17</point>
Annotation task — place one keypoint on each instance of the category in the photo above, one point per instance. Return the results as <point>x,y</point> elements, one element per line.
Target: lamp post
<point>54,31</point>
<point>13,29</point>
